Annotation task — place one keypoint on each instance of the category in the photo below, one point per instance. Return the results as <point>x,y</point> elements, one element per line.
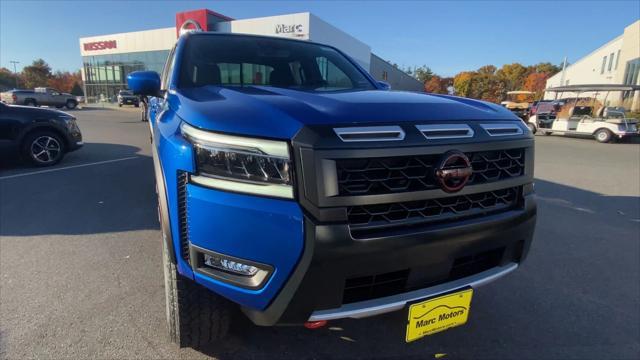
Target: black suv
<point>40,136</point>
<point>126,97</point>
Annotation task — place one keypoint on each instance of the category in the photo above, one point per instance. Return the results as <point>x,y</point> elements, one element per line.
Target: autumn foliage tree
<point>437,85</point>
<point>64,81</point>
<point>36,75</point>
<point>8,80</point>
<point>536,82</point>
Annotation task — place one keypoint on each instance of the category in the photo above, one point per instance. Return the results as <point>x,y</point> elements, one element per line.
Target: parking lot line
<point>68,167</point>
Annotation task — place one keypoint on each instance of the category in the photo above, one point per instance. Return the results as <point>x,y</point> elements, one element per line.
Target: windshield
<point>243,61</point>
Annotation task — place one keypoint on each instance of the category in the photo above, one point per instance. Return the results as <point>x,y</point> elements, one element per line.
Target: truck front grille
<point>386,175</point>
<point>370,218</point>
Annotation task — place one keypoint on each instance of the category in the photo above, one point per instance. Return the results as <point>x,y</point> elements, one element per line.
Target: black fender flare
<point>163,206</point>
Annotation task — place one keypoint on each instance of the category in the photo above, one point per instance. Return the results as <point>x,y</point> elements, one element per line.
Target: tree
<point>547,68</point>
<point>462,83</point>
<point>77,89</point>
<point>536,82</point>
<point>512,75</point>
<point>423,73</point>
<point>488,69</point>
<point>488,87</point>
<point>437,85</point>
<point>7,79</point>
<point>36,74</point>
<point>64,81</point>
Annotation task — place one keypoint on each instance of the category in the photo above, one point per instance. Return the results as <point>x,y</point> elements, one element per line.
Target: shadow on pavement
<point>101,198</point>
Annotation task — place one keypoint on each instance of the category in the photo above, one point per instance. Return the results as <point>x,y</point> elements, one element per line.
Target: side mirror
<point>383,85</point>
<point>145,83</point>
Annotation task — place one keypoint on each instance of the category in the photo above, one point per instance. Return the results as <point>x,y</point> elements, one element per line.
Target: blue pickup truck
<point>296,188</point>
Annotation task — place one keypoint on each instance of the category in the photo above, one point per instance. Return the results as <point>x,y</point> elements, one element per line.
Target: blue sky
<point>447,36</point>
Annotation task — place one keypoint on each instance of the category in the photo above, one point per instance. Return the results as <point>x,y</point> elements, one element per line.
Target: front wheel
<point>71,104</point>
<point>603,136</point>
<point>43,148</point>
<point>195,316</point>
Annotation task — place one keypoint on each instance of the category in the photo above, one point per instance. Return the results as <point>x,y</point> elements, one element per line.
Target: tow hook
<point>315,324</point>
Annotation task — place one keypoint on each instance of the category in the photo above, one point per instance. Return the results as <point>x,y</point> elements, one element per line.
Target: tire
<point>547,133</point>
<point>136,105</point>
<point>603,136</point>
<point>71,104</point>
<point>119,105</point>
<point>30,102</point>
<point>532,128</point>
<point>59,106</point>
<point>43,148</point>
<point>196,316</point>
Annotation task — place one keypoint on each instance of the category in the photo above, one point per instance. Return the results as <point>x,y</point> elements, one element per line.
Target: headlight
<point>240,164</point>
<point>69,121</point>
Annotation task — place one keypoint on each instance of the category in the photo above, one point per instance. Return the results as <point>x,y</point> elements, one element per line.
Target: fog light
<point>229,269</point>
<point>235,267</point>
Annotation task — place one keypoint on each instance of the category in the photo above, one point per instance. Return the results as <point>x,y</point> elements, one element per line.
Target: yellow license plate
<point>438,314</point>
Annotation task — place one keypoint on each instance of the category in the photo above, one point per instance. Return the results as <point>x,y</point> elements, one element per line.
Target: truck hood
<point>279,113</point>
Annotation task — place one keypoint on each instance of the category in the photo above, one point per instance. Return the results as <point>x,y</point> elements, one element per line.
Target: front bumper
<point>433,261</point>
<point>627,134</point>
<point>74,139</point>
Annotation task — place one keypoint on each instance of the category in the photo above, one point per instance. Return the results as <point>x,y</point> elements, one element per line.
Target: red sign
<point>205,17</point>
<point>100,45</point>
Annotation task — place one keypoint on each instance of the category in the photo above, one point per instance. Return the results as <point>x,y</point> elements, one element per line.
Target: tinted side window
<point>332,75</point>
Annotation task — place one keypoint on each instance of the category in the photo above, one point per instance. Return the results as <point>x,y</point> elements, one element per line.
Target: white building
<point>616,62</point>
<point>108,59</point>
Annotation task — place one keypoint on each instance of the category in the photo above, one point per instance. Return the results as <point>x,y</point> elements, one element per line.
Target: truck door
<point>54,97</point>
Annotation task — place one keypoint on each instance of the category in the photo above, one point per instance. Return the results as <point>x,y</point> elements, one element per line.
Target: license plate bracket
<point>432,315</point>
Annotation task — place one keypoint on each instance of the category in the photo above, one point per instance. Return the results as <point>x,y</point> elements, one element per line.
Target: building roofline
<point>399,70</point>
<point>127,32</point>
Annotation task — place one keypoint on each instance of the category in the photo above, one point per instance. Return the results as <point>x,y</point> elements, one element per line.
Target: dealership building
<point>108,59</point>
<point>616,62</point>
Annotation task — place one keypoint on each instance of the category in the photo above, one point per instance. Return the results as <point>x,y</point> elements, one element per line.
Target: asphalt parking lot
<point>81,276</point>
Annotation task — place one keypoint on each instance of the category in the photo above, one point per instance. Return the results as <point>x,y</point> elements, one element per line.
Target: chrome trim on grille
<point>502,129</point>
<point>445,131</point>
<point>396,302</point>
<point>370,133</point>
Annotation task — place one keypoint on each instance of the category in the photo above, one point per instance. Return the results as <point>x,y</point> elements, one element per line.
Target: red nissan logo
<point>453,171</point>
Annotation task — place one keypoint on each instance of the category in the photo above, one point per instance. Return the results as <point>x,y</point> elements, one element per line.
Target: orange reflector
<point>315,324</point>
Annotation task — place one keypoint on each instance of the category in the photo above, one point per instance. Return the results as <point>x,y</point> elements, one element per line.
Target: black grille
<point>374,286</point>
<point>373,176</point>
<point>426,211</point>
<point>470,265</point>
<point>397,282</point>
<point>182,215</point>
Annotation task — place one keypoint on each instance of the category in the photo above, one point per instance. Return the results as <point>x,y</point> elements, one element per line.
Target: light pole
<point>15,73</point>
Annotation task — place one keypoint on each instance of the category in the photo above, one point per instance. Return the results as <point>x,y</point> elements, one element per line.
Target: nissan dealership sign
<point>100,45</point>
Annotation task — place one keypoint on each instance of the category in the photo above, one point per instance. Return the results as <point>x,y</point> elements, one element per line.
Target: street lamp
<point>15,73</point>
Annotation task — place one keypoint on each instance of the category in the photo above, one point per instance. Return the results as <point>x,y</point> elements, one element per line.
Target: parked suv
<point>39,136</point>
<point>126,97</point>
<point>295,187</point>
